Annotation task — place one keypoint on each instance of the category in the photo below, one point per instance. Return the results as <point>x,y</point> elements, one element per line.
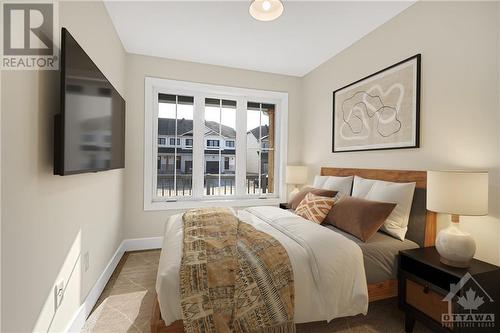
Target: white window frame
<point>199,91</point>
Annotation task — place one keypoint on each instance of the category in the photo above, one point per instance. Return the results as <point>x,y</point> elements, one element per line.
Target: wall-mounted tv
<point>90,129</point>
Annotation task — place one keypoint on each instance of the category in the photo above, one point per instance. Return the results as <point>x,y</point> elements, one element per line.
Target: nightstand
<point>284,205</point>
<point>448,299</point>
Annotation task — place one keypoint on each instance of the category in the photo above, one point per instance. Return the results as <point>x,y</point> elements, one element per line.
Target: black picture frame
<point>418,58</point>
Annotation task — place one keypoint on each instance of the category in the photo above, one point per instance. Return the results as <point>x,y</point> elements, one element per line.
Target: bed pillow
<point>401,194</point>
<point>319,181</point>
<point>342,185</point>
<point>361,186</point>
<point>314,207</point>
<point>294,203</point>
<point>359,217</point>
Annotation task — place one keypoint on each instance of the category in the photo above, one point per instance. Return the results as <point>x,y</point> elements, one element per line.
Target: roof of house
<point>264,131</point>
<point>166,126</point>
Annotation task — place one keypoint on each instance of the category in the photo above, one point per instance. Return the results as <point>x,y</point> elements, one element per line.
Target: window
<point>172,142</point>
<point>212,143</point>
<point>175,117</point>
<point>236,139</point>
<point>220,123</point>
<point>260,148</point>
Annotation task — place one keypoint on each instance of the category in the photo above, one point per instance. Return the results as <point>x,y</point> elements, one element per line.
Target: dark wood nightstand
<point>433,293</point>
<point>284,205</point>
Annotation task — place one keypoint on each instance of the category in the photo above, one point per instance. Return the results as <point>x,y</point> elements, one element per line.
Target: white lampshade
<point>457,192</point>
<point>266,10</point>
<point>296,174</point>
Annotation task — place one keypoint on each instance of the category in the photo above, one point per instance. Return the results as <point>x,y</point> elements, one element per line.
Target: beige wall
<point>460,107</point>
<point>498,109</point>
<point>139,223</point>
<point>48,221</point>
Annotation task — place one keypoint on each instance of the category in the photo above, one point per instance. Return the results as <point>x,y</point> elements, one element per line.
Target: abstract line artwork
<point>380,111</point>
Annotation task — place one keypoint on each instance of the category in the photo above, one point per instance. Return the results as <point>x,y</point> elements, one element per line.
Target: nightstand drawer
<point>426,300</point>
<point>428,273</point>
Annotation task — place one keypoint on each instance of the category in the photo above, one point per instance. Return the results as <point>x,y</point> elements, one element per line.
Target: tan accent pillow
<point>314,207</point>
<point>296,200</point>
<point>360,217</point>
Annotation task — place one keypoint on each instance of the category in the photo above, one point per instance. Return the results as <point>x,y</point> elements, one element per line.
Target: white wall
<point>48,221</point>
<point>139,223</point>
<point>460,115</point>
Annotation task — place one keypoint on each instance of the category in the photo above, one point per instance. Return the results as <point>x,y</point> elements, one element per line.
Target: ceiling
<point>223,33</point>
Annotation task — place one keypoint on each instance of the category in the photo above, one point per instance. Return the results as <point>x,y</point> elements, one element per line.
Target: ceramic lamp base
<point>456,247</point>
<point>454,263</point>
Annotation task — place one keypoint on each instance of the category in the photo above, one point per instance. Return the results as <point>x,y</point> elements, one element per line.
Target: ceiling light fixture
<point>266,10</point>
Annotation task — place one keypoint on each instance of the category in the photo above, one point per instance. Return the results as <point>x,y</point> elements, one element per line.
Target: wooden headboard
<point>397,176</point>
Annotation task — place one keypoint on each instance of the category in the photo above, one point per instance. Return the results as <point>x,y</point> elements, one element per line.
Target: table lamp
<point>457,193</point>
<point>295,175</point>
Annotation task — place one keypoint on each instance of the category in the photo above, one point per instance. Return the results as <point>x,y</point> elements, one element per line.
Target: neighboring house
<point>253,150</point>
<point>167,142</point>
<point>226,142</point>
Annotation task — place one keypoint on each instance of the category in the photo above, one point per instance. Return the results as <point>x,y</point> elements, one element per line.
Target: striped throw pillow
<point>314,207</point>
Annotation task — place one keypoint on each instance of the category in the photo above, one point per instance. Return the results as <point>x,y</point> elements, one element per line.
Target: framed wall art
<point>380,111</point>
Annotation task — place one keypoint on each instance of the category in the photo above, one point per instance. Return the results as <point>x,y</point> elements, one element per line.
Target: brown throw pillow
<point>314,207</point>
<point>294,203</point>
<point>359,217</point>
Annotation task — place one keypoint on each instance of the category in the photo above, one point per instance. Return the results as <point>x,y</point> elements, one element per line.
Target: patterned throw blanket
<point>233,278</point>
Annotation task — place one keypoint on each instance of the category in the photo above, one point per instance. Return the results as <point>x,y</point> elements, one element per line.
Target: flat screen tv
<point>90,129</point>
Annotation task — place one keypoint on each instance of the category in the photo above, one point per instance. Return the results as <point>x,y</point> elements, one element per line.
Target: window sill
<point>190,204</point>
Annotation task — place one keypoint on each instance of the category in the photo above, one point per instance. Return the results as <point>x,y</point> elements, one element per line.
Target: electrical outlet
<point>85,261</point>
<point>58,293</point>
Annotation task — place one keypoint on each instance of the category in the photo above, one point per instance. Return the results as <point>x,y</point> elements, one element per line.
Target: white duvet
<point>329,276</point>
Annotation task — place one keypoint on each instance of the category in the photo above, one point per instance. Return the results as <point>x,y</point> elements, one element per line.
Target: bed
<point>379,256</point>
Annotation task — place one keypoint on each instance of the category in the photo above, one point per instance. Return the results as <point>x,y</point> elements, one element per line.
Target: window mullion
<point>175,146</point>
<point>259,149</point>
<point>220,146</point>
<point>198,145</point>
<point>241,146</point>
<point>155,143</point>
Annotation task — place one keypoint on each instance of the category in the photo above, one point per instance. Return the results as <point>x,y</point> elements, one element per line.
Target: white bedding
<point>329,276</point>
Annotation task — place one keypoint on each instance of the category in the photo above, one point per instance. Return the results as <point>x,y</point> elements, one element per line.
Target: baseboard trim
<point>136,244</point>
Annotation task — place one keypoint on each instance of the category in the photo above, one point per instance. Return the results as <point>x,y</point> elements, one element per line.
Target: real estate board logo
<point>466,300</point>
<point>30,36</point>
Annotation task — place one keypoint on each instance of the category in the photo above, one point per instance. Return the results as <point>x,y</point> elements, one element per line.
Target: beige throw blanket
<point>233,278</point>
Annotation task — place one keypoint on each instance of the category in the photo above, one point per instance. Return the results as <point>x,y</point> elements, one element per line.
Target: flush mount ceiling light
<point>266,10</point>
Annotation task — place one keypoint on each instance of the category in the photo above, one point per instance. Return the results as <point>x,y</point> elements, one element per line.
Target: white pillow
<point>362,186</point>
<point>401,194</point>
<point>319,181</point>
<point>342,185</point>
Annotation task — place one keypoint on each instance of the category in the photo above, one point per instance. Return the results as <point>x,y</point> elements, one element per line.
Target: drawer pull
<point>426,289</point>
